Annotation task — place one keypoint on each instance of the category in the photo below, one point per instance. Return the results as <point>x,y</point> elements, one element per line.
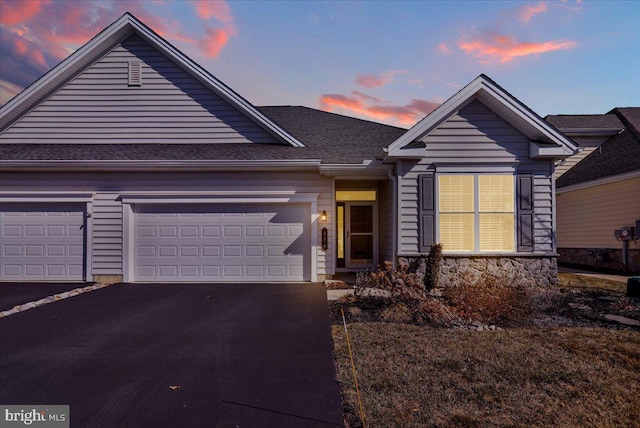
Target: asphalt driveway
<point>177,355</point>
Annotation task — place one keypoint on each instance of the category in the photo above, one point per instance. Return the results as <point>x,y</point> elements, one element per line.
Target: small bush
<point>435,311</point>
<point>432,267</point>
<point>489,299</point>
<point>399,283</point>
<point>347,299</point>
<point>397,312</point>
<point>546,300</point>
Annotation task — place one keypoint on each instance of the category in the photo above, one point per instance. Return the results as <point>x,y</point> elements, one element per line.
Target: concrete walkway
<point>618,278</point>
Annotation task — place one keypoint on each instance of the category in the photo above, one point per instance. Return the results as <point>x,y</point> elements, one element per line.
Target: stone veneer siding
<point>606,259</point>
<point>536,270</point>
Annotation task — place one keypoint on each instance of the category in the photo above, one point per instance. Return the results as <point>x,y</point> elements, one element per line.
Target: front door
<point>360,224</point>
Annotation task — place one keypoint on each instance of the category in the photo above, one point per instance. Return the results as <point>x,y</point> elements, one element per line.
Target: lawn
<point>590,283</point>
<point>416,376</point>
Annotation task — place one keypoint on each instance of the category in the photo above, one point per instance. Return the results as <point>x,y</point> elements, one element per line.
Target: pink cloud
<point>22,48</point>
<point>213,43</point>
<point>329,101</point>
<point>216,38</point>
<point>423,106</point>
<point>207,9</point>
<point>16,11</point>
<point>366,97</point>
<point>372,81</point>
<point>526,12</point>
<point>36,34</point>
<point>443,48</point>
<point>497,47</point>
<point>405,115</point>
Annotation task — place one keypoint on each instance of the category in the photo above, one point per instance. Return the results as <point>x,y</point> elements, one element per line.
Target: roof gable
<point>618,155</point>
<point>167,105</point>
<point>546,141</point>
<point>121,30</point>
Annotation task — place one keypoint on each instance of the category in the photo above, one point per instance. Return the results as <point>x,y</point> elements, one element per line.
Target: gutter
<point>374,169</point>
<point>159,165</point>
<point>599,181</point>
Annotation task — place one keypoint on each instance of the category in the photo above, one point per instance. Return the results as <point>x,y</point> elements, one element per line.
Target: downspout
<point>394,244</point>
<point>554,236</point>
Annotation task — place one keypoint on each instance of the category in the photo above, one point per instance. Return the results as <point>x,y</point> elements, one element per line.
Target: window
<point>476,213</point>
<point>355,195</point>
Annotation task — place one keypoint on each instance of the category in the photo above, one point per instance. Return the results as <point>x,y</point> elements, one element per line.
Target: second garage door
<point>222,243</point>
<point>42,242</point>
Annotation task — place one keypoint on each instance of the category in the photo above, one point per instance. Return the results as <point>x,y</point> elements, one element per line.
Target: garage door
<point>42,242</point>
<point>222,243</point>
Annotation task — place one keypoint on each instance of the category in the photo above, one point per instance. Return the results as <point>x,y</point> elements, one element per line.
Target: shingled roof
<point>618,155</point>
<point>584,121</point>
<point>333,138</point>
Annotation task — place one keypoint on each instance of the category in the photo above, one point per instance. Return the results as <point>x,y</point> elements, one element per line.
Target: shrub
<point>490,298</point>
<point>399,283</point>
<point>432,267</point>
<point>397,312</point>
<point>546,300</point>
<point>435,311</point>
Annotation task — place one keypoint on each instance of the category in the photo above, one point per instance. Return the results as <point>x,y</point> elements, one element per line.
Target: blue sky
<point>391,62</point>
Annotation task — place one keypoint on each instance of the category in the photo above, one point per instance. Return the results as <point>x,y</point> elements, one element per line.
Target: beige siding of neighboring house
<point>471,139</point>
<point>170,106</point>
<point>588,217</point>
<point>572,160</point>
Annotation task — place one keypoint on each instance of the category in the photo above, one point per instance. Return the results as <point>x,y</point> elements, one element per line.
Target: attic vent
<point>135,73</point>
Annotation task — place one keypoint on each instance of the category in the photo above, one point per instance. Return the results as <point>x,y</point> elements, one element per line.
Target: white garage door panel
<point>41,242</point>
<point>222,243</point>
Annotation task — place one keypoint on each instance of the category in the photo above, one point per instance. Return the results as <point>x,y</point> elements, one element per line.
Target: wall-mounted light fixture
<point>323,217</point>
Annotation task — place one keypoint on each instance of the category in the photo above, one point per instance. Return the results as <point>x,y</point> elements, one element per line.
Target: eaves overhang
<point>367,169</point>
<point>161,165</point>
<point>544,150</point>
<point>599,182</point>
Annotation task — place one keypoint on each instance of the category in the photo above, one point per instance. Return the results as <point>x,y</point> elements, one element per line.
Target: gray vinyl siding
<point>470,139</point>
<point>171,106</point>
<point>107,235</point>
<point>385,221</point>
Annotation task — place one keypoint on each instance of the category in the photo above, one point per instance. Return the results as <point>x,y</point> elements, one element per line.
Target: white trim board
<point>599,182</point>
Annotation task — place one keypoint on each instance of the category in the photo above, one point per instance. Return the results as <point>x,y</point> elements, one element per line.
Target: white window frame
<point>476,212</point>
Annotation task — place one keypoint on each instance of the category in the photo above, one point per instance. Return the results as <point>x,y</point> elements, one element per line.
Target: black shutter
<point>426,211</point>
<point>525,212</point>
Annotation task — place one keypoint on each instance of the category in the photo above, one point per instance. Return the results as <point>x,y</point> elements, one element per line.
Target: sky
<point>387,61</point>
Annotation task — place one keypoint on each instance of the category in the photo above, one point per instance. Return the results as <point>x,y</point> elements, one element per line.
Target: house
<point>130,162</point>
<point>600,193</point>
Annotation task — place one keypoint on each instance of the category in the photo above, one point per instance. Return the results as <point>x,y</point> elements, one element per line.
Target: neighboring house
<point>600,193</point>
<point>129,162</point>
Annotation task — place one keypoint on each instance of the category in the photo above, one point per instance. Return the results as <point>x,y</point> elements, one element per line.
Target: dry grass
<point>590,283</point>
<point>415,377</point>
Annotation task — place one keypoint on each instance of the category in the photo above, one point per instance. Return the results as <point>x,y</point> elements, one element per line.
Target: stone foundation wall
<point>605,259</point>
<point>540,271</point>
